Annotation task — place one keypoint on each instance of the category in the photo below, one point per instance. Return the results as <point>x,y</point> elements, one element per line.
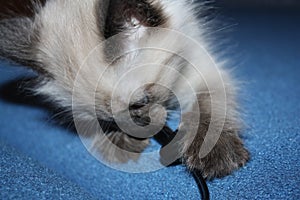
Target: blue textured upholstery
<point>40,159</point>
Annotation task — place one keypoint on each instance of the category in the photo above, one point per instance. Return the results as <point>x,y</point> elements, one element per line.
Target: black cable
<point>164,137</point>
<point>202,186</point>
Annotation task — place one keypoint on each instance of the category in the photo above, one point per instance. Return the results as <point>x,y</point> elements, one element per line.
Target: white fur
<point>69,33</point>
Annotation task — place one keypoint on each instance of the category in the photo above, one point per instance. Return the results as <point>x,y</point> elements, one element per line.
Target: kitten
<point>61,35</point>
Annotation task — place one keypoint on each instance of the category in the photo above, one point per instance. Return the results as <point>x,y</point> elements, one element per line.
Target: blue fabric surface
<point>42,160</point>
<point>24,178</point>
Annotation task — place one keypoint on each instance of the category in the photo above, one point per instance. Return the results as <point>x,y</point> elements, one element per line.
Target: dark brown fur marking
<point>121,11</point>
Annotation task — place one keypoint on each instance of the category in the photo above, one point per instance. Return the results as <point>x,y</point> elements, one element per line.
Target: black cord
<point>202,186</point>
<point>167,135</point>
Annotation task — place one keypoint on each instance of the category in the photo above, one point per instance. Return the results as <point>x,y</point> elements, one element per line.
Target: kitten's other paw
<point>118,147</point>
<point>228,155</point>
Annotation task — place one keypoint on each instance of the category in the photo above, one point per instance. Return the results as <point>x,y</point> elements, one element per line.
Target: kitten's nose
<point>139,104</point>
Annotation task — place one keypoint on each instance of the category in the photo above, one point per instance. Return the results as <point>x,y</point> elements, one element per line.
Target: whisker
<point>223,28</point>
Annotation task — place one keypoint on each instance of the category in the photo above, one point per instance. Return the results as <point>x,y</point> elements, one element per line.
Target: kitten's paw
<point>227,156</point>
<point>118,147</point>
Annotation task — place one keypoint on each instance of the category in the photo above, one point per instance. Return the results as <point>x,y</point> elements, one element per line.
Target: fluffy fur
<point>61,35</point>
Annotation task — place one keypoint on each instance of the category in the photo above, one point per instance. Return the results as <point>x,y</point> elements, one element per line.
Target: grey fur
<point>227,155</point>
<point>16,40</point>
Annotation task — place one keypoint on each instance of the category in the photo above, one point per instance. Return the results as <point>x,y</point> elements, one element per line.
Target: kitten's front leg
<point>227,155</point>
<point>118,147</point>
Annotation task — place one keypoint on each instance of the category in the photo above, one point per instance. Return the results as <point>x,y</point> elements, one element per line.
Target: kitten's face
<point>105,56</point>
